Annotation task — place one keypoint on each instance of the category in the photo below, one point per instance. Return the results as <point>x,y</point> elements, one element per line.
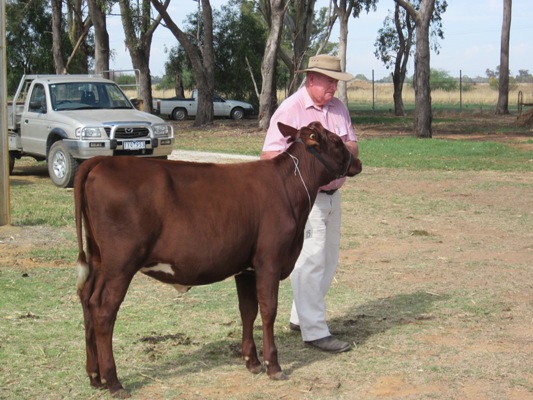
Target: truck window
<point>86,95</point>
<point>37,99</point>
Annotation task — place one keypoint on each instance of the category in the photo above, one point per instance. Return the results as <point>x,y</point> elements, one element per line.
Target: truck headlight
<point>88,132</point>
<point>163,130</point>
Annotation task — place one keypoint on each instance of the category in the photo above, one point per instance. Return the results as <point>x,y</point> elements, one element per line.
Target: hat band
<point>327,69</point>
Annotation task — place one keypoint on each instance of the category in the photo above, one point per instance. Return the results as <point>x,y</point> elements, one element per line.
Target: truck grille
<point>129,133</point>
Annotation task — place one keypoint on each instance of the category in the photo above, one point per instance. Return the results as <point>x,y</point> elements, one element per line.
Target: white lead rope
<point>297,170</point>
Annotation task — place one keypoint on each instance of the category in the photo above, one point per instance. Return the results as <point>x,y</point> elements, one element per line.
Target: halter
<point>325,163</point>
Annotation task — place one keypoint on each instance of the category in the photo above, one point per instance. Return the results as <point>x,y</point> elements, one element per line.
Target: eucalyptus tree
<point>502,106</point>
<point>421,13</point>
<point>298,27</point>
<point>139,28</point>
<point>273,12</point>
<point>200,51</point>
<point>239,36</point>
<point>395,41</point>
<point>97,18</point>
<point>345,9</point>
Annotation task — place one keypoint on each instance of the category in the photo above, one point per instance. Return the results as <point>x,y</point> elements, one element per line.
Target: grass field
<point>433,288</point>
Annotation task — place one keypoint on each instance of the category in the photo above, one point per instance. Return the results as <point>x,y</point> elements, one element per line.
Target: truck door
<point>34,122</point>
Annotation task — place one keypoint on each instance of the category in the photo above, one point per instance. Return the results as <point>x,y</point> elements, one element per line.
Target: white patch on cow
<point>165,269</point>
<point>83,273</point>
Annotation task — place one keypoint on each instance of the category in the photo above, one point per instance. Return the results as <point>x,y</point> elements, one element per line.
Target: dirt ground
<point>457,244</point>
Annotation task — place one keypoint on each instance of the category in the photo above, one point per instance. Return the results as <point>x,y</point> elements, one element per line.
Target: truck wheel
<point>11,162</point>
<point>179,114</point>
<point>237,113</point>
<point>62,166</point>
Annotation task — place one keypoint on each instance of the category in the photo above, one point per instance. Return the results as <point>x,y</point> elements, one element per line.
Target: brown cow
<point>190,224</point>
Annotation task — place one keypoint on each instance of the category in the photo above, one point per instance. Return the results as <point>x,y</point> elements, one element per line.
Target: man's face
<point>321,88</point>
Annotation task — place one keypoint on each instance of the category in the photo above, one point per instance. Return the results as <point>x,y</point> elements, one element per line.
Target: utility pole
<point>5,218</point>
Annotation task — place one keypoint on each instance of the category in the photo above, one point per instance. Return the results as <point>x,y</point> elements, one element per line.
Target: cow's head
<point>326,146</point>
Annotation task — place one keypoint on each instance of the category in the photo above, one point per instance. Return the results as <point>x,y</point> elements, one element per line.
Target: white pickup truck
<point>65,119</point>
<point>178,108</point>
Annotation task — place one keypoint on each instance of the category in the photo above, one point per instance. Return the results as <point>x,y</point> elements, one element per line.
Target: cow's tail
<point>82,267</point>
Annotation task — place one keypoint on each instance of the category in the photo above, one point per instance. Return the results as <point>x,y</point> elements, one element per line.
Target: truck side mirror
<point>37,106</point>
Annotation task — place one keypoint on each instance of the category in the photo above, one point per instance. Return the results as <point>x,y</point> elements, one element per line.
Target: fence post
<point>373,101</point>
<point>460,91</point>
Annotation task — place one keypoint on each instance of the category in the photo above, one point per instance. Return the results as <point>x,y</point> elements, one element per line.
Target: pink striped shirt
<point>299,110</point>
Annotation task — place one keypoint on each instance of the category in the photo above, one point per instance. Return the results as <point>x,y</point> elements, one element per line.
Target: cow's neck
<point>297,171</point>
<point>302,167</point>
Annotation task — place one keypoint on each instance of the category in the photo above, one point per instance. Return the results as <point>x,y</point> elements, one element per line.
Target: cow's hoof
<point>121,394</point>
<point>279,376</point>
<point>255,369</point>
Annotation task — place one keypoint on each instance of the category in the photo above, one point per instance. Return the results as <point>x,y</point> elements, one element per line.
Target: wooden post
<point>4,150</point>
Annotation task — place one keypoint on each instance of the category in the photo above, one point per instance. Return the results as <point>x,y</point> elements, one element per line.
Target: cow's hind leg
<point>90,339</point>
<point>248,308</point>
<point>267,295</point>
<point>104,305</point>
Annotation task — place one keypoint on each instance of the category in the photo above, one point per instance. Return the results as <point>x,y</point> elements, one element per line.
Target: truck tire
<point>237,113</point>
<point>11,162</point>
<point>62,166</point>
<point>179,114</point>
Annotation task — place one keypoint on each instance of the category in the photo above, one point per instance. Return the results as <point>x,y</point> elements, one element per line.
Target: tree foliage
<point>239,38</point>
<point>29,41</point>
<point>395,40</point>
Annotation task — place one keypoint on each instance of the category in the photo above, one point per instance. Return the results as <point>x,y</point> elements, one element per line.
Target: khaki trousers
<point>316,266</point>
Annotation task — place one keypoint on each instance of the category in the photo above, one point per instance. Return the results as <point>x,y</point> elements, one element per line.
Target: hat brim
<point>340,76</point>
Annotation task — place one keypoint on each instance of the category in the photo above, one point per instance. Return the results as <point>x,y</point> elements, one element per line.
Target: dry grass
<point>480,97</point>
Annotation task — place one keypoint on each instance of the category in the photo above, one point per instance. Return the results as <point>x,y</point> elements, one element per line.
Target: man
<point>315,268</point>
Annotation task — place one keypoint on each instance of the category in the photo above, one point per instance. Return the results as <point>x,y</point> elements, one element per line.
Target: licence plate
<point>133,145</point>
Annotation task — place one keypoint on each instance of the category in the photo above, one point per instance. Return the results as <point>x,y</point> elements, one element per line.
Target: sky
<point>471,45</point>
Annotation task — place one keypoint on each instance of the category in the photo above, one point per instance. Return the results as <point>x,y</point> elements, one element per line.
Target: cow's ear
<point>288,131</point>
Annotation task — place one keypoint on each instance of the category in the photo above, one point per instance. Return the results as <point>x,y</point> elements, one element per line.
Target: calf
<point>189,224</point>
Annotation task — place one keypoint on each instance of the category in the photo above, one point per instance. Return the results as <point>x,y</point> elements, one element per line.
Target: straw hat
<point>329,66</point>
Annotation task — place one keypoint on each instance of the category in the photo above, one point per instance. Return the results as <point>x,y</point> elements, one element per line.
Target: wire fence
<point>447,95</point>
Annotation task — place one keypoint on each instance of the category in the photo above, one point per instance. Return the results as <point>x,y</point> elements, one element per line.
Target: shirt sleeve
<point>274,140</point>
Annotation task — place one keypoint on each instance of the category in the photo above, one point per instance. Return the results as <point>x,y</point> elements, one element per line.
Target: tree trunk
<point>202,67</point>
<point>57,36</point>
<point>299,27</point>
<point>267,100</point>
<point>502,107</point>
<point>178,88</point>
<point>402,58</point>
<point>397,95</point>
<point>101,37</point>
<point>139,46</point>
<point>140,61</point>
<point>206,88</point>
<point>343,10</point>
<point>423,113</point>
<point>342,92</point>
<point>77,31</point>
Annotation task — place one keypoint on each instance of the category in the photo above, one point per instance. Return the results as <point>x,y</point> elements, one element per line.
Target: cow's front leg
<point>267,294</point>
<point>248,308</point>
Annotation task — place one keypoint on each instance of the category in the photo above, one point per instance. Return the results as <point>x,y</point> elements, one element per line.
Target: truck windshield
<point>87,95</point>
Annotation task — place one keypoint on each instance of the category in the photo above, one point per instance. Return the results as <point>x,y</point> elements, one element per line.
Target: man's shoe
<point>294,327</point>
<point>330,344</point>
